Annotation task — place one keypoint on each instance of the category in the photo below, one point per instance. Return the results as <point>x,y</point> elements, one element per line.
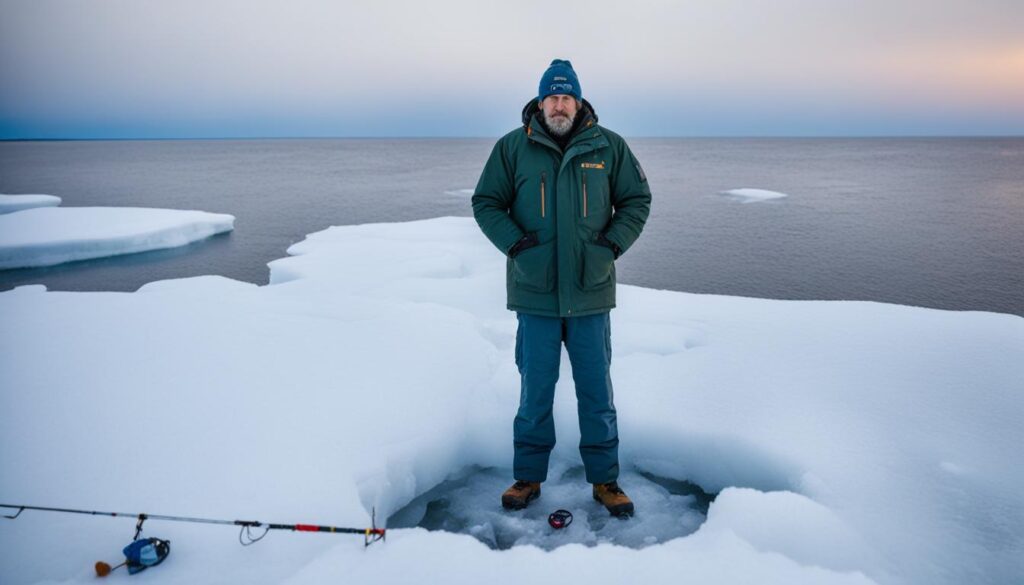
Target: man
<point>562,198</point>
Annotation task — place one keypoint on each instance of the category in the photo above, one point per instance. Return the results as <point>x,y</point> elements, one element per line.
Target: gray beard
<point>559,125</point>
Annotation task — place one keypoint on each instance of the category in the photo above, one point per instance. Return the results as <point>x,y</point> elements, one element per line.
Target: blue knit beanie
<point>559,79</point>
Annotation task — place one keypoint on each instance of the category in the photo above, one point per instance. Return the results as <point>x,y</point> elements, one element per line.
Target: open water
<point>928,222</point>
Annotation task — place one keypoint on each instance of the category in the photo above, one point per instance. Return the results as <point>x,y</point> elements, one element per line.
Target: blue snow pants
<point>538,355</point>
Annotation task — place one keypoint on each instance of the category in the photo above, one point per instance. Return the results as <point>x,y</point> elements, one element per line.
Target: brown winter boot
<point>613,498</point>
<point>520,495</point>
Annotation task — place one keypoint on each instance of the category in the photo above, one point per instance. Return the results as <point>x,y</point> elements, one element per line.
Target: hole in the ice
<point>470,503</point>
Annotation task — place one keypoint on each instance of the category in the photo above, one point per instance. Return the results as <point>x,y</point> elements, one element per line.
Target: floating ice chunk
<point>12,203</point>
<point>28,289</point>
<point>206,285</point>
<point>52,235</point>
<point>753,195</point>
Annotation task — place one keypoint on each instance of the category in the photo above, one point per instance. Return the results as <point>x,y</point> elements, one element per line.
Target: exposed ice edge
<point>45,236</point>
<point>12,203</point>
<point>836,424</point>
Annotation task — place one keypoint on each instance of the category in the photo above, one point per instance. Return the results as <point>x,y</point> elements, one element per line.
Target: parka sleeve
<point>631,200</point>
<point>493,199</point>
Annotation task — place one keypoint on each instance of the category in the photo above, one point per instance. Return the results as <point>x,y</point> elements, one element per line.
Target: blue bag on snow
<point>145,553</point>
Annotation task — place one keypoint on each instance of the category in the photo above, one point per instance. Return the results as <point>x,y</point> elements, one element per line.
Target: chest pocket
<point>595,201</point>
<point>534,205</point>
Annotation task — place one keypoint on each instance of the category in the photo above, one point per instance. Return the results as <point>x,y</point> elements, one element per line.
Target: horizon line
<point>706,136</point>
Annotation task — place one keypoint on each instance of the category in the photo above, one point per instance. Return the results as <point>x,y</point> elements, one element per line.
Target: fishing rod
<point>246,527</point>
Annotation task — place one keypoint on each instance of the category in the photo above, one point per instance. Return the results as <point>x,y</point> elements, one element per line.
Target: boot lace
<point>613,487</point>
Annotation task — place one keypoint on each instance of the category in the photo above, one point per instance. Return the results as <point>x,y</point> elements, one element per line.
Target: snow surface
<point>460,192</point>
<point>12,203</point>
<point>54,235</point>
<point>753,195</point>
<point>848,442</point>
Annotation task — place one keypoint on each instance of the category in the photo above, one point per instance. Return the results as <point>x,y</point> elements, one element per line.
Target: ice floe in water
<point>12,203</point>
<point>53,235</point>
<point>469,503</point>
<point>753,195</point>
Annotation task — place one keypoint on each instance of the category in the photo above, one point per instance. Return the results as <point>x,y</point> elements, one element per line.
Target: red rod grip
<point>307,528</point>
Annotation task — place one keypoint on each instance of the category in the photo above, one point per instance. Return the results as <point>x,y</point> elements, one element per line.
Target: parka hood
<point>533,106</point>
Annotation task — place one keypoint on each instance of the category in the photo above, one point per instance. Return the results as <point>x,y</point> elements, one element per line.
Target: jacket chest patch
<point>590,165</point>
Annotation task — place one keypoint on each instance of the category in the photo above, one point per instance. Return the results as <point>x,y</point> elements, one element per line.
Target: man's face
<point>559,112</point>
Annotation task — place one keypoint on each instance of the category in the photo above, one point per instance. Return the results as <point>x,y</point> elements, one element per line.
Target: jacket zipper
<point>543,179</point>
<point>584,194</point>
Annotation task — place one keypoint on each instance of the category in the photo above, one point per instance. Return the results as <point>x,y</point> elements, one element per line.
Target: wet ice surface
<point>470,503</point>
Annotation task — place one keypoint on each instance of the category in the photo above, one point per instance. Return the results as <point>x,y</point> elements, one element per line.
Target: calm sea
<point>928,222</point>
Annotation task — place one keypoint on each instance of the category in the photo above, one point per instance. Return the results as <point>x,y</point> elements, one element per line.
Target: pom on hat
<point>559,79</point>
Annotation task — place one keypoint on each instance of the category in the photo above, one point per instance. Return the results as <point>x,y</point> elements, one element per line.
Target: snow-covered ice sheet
<point>849,442</point>
<point>753,195</point>
<point>54,235</point>
<point>12,203</point>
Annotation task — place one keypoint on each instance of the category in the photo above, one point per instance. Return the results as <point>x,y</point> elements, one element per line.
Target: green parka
<point>567,199</point>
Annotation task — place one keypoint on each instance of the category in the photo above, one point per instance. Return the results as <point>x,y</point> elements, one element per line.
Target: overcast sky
<point>250,68</point>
